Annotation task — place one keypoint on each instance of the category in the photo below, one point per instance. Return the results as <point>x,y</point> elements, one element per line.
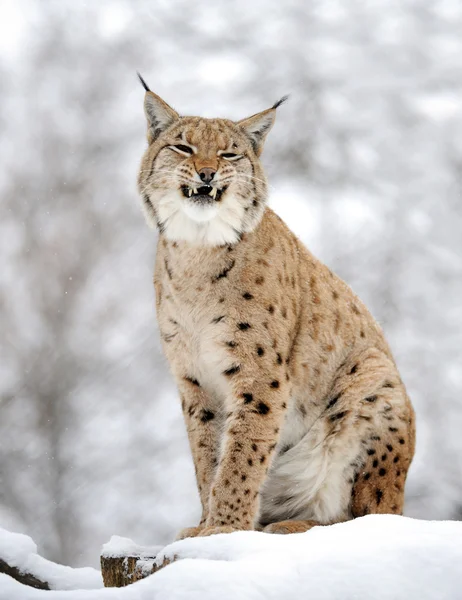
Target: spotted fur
<point>293,404</point>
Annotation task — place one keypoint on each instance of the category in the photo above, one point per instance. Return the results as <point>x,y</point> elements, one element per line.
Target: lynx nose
<point>206,174</point>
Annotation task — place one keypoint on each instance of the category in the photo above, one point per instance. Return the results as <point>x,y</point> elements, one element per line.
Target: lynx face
<point>201,180</point>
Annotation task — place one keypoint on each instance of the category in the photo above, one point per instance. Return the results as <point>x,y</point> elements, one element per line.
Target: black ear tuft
<point>145,85</point>
<point>279,102</point>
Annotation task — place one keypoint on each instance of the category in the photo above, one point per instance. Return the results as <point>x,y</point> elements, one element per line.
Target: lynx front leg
<point>201,424</point>
<point>257,409</point>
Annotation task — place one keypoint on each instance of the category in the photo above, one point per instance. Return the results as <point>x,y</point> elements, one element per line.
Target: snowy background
<point>365,164</point>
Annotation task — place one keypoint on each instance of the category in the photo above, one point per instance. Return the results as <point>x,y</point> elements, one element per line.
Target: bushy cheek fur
<point>179,219</point>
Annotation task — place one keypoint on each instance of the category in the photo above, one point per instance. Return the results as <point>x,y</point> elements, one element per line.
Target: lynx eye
<point>231,156</point>
<point>182,149</point>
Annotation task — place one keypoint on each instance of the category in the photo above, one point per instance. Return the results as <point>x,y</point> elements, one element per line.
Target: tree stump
<point>123,562</point>
<point>22,576</point>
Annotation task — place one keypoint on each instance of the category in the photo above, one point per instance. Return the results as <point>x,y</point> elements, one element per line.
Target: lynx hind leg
<point>389,445</point>
<point>379,485</point>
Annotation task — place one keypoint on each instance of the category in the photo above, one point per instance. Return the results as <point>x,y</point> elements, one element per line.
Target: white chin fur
<point>200,213</point>
<point>214,225</point>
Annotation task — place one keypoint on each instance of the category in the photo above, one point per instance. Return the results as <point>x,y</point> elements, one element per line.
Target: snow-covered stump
<point>23,577</point>
<point>19,559</point>
<point>123,562</point>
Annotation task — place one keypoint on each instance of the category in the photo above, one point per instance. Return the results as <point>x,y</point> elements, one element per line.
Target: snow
<point>378,557</point>
<point>122,546</point>
<point>18,550</point>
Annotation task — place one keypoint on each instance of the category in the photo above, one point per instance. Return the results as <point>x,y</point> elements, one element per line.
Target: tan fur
<point>295,410</point>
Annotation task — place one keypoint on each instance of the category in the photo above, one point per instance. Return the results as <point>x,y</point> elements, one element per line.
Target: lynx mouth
<point>204,194</point>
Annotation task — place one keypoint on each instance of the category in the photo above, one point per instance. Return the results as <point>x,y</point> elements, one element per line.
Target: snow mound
<point>15,547</point>
<point>121,546</point>
<point>378,557</point>
<point>18,550</point>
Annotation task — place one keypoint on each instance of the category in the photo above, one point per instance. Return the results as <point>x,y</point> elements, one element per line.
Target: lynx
<point>294,408</point>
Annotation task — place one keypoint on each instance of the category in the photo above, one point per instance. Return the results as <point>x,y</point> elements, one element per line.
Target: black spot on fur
<point>243,326</point>
<point>366,476</point>
<point>389,447</point>
<point>232,370</point>
<point>167,268</point>
<point>260,351</point>
<point>207,415</point>
<point>396,459</point>
<point>338,416</point>
<point>334,401</point>
<point>271,309</point>
<point>371,451</point>
<point>279,359</point>
<point>224,273</point>
<point>393,429</point>
<point>375,464</point>
<point>193,381</point>
<point>354,369</point>
<point>274,384</point>
<point>382,472</point>
<point>401,441</point>
<point>218,319</point>
<point>249,462</point>
<point>378,495</point>
<point>371,399</point>
<point>262,408</point>
<point>247,398</point>
<point>247,296</point>
<point>388,384</point>
<point>231,344</point>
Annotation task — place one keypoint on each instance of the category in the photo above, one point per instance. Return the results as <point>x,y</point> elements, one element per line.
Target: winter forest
<point>364,164</point>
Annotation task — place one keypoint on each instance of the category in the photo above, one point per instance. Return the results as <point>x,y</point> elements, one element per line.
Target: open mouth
<point>203,194</point>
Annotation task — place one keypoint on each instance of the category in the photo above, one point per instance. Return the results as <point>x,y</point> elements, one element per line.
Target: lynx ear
<point>158,113</point>
<point>258,126</point>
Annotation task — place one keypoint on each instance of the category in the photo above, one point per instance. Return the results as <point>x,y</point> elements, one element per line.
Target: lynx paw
<point>286,527</point>
<point>189,532</point>
<point>215,530</point>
